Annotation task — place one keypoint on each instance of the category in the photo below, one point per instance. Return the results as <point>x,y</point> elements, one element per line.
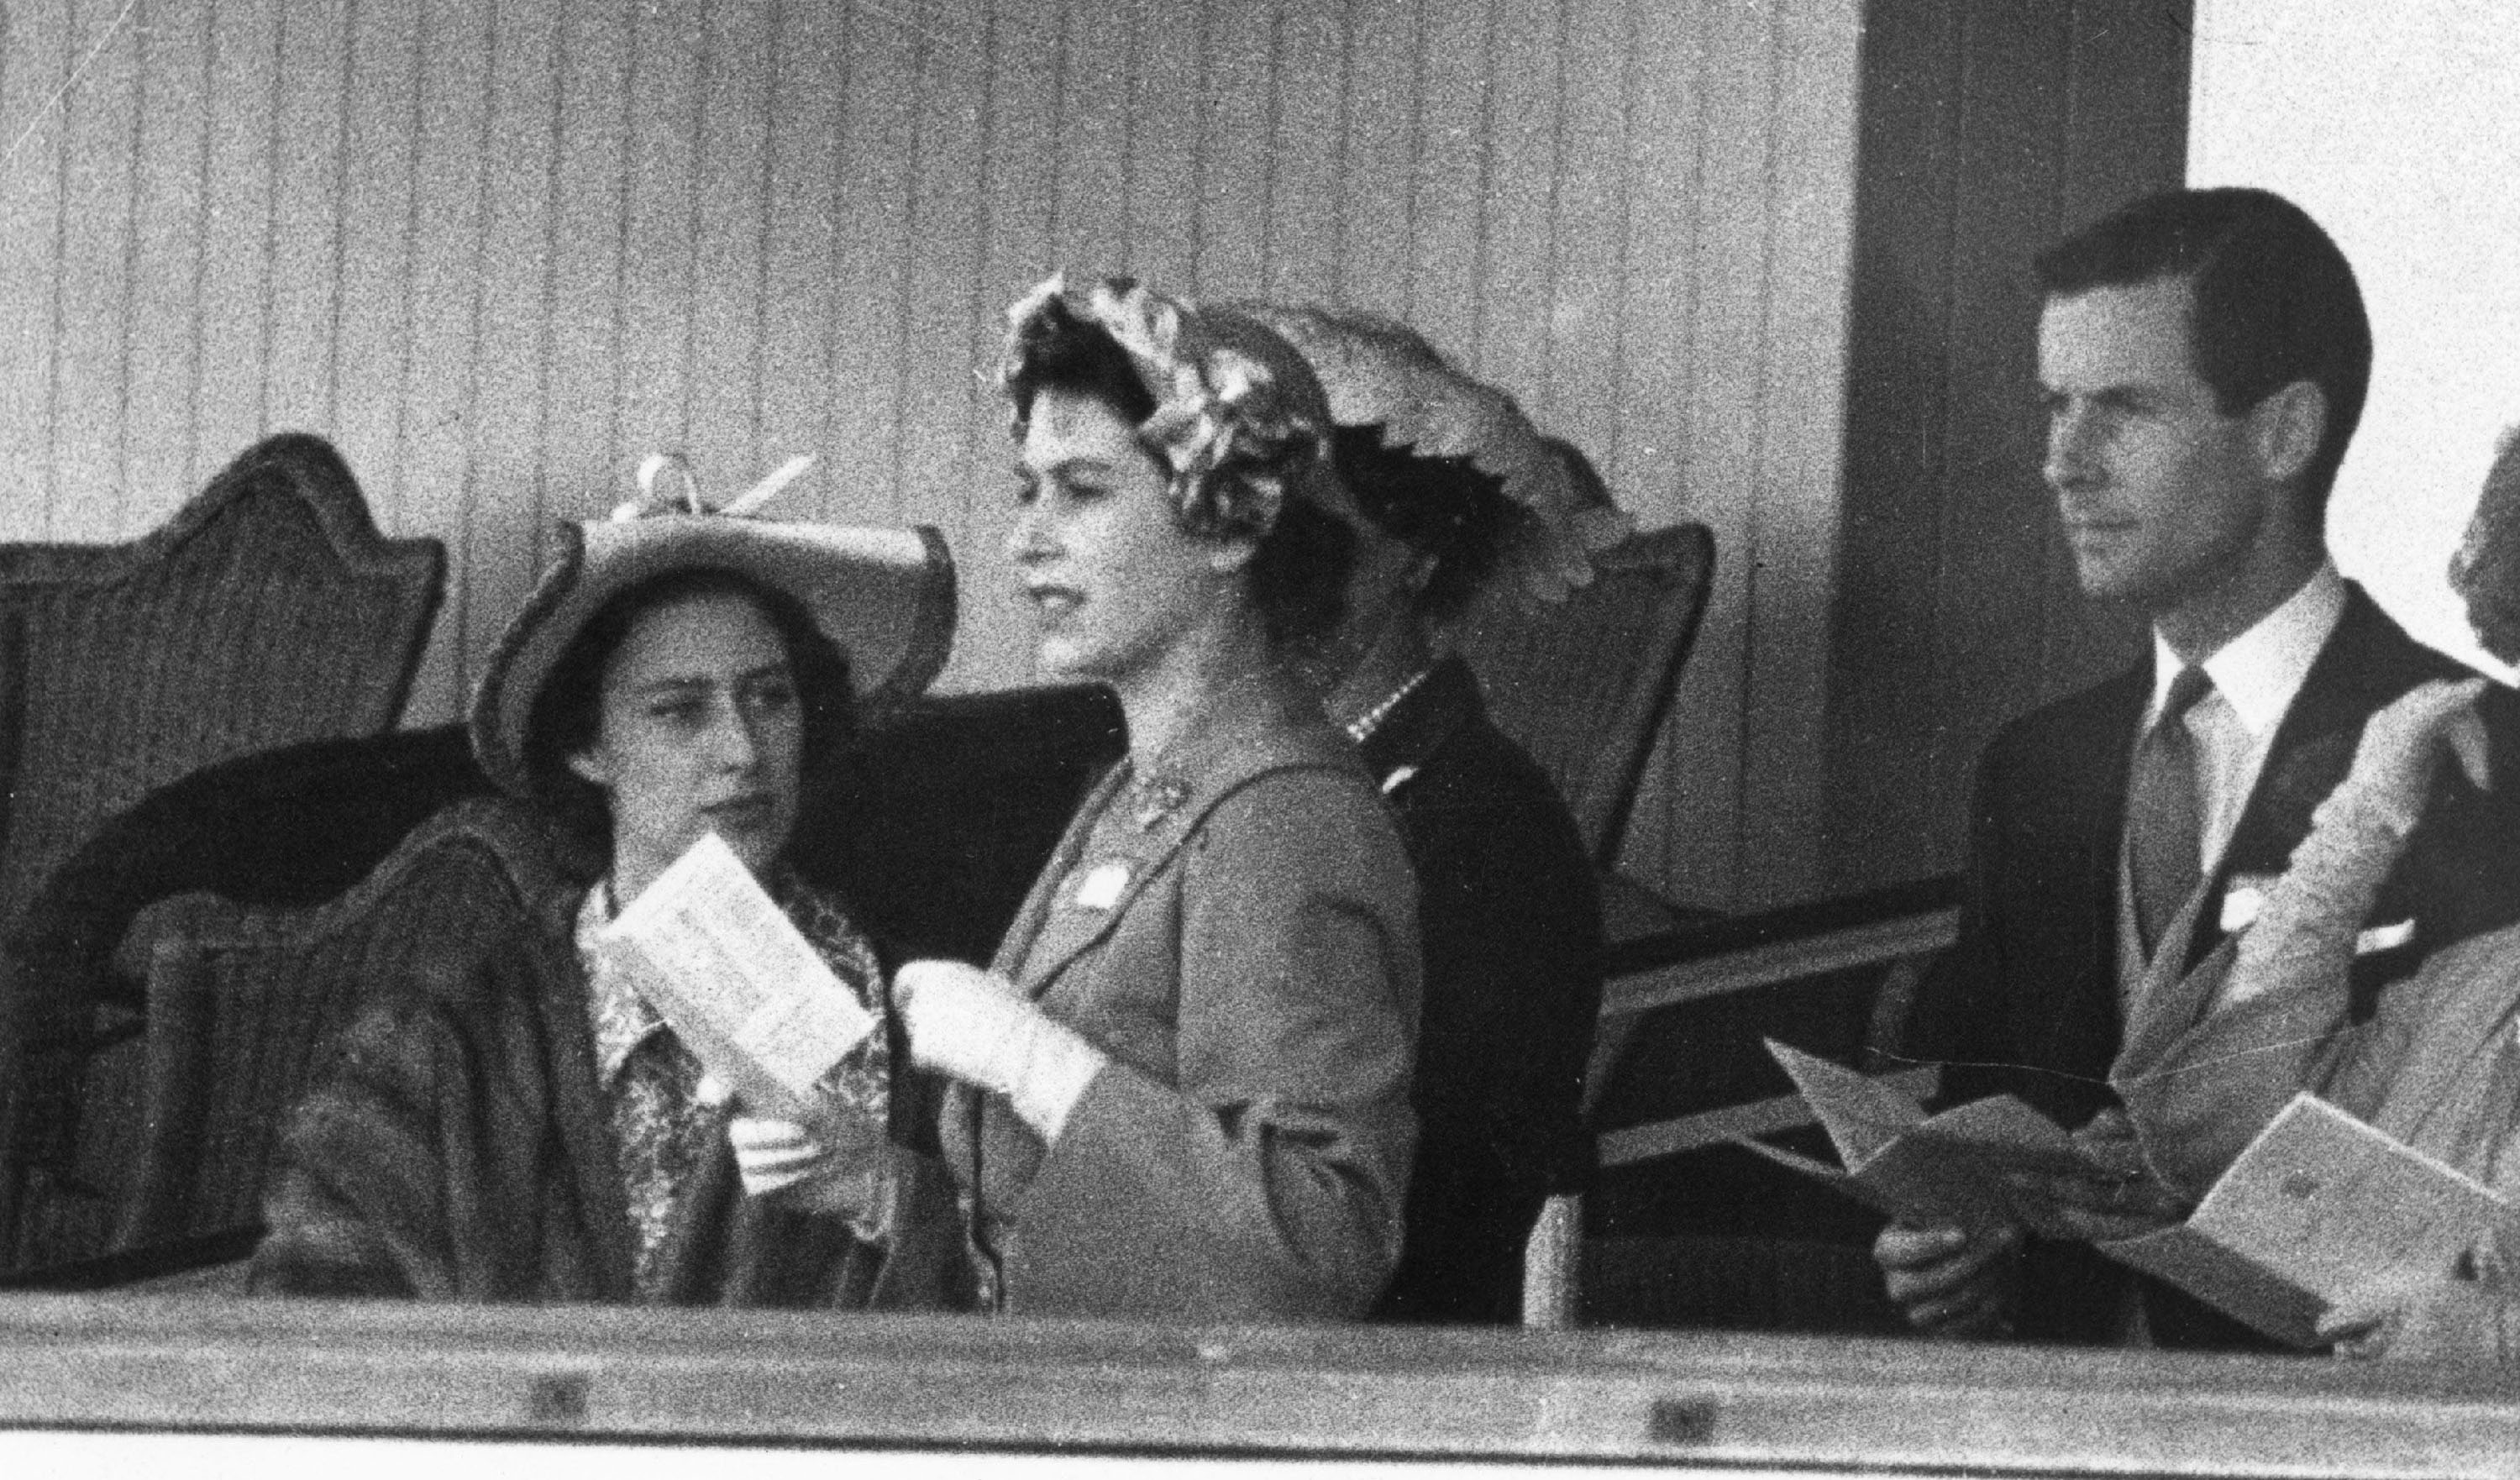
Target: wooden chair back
<point>1585,687</point>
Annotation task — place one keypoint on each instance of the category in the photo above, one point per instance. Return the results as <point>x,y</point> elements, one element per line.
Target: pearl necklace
<point>1371,720</point>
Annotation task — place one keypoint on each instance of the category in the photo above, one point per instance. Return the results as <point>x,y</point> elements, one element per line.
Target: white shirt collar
<point>2257,672</point>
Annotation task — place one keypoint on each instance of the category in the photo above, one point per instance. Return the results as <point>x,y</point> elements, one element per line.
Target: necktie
<point>2164,816</point>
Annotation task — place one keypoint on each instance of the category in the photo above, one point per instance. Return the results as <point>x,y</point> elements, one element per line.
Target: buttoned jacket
<point>1238,935</point>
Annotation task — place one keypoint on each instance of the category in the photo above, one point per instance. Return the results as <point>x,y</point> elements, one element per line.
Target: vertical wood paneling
<point>506,411</point>
<point>939,395</point>
<point>730,214</point>
<point>1450,154</point>
<point>1234,157</point>
<point>584,453</point>
<point>233,330</point>
<point>318,118</point>
<point>100,121</point>
<point>170,187</point>
<point>1517,208</point>
<point>1588,238</point>
<point>670,39</point>
<point>450,251</point>
<point>1987,133</point>
<point>1301,247</point>
<point>1092,220</point>
<point>380,83</point>
<point>1376,162</point>
<point>498,249</point>
<point>872,205</point>
<point>34,64</point>
<point>798,414</point>
<point>1165,116</point>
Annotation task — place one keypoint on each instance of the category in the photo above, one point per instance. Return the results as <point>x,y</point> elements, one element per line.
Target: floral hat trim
<point>1379,372</point>
<point>1240,419</point>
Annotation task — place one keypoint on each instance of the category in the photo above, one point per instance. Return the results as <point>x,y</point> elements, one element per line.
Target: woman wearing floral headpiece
<point>1461,493</point>
<point>1182,1090</point>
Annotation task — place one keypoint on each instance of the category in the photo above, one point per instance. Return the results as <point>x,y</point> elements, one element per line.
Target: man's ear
<point>589,765</point>
<point>2286,428</point>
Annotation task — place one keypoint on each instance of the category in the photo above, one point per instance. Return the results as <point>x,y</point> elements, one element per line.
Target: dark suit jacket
<point>2026,1002</point>
<point>1511,913</point>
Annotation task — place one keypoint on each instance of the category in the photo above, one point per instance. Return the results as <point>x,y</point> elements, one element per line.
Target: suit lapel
<point>2078,1025</point>
<point>2367,662</point>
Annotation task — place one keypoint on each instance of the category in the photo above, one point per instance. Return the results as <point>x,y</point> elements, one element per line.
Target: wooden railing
<point>1007,1387</point>
<point>1898,930</point>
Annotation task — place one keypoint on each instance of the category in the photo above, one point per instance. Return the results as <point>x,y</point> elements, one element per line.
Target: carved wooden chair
<point>268,609</point>
<point>1585,686</point>
<point>235,913</point>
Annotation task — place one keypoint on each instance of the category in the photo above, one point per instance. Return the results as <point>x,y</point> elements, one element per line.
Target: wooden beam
<point>733,1378</point>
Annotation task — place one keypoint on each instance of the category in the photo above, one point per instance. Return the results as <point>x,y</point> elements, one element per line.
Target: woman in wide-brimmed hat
<point>1463,495</point>
<point>1183,1089</point>
<point>508,1119</point>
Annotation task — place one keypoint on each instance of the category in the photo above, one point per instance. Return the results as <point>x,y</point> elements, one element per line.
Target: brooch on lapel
<point>1158,799</point>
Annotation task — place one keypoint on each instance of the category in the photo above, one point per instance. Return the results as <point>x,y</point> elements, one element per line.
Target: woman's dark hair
<point>1298,574</point>
<point>1443,506</point>
<point>1062,351</point>
<point>568,710</point>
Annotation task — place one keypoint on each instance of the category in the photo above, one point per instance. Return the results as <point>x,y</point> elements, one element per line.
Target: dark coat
<point>1245,1154</point>
<point>459,1149</point>
<point>2026,1002</point>
<point>1510,914</point>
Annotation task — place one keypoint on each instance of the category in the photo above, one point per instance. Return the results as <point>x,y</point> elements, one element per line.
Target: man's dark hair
<point>2274,301</point>
<point>567,712</point>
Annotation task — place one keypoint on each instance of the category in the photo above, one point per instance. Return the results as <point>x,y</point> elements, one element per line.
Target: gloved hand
<point>2402,747</point>
<point>836,1172</point>
<point>978,1028</point>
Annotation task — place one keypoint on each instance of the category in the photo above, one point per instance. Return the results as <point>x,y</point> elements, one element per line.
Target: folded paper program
<point>1970,1166</point>
<point>742,987</point>
<point>2319,1205</point>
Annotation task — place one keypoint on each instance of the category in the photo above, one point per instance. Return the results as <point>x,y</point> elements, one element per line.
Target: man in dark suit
<point>2203,357</point>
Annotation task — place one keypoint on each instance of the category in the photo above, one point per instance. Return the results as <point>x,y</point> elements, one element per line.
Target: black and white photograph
<point>1259,737</point>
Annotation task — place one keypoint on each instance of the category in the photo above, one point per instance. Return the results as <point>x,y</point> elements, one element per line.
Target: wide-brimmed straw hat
<point>1240,418</point>
<point>884,595</point>
<point>1379,372</point>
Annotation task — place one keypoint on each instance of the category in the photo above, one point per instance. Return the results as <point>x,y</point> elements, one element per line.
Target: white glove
<point>2402,747</point>
<point>843,1177</point>
<point>978,1028</point>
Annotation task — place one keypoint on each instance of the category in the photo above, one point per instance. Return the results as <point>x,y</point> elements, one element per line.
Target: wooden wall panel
<point>233,333</point>
<point>499,249</point>
<point>329,163</point>
<point>1987,132</point>
<point>169,194</point>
